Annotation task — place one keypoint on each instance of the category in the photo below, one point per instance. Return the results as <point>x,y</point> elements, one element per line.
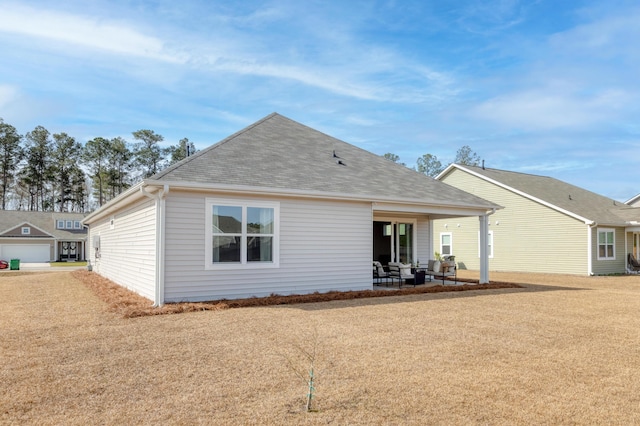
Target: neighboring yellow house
<point>546,226</point>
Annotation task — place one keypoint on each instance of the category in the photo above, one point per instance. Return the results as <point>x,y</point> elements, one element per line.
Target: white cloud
<point>487,17</point>
<point>83,31</point>
<point>8,94</point>
<point>546,108</point>
<point>554,166</point>
<point>342,64</point>
<point>603,36</point>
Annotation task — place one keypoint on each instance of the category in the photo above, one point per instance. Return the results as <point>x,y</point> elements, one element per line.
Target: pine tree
<point>36,174</point>
<point>10,155</point>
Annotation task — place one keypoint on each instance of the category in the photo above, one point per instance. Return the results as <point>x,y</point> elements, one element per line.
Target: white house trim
<point>632,199</point>
<point>275,263</point>
<point>378,201</point>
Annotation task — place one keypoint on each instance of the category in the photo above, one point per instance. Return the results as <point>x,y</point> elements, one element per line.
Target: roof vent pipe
<point>482,164</point>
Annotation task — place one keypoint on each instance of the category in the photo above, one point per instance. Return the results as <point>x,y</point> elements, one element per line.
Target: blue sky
<point>543,87</point>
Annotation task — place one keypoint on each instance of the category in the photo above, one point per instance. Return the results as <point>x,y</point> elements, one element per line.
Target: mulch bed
<point>129,304</point>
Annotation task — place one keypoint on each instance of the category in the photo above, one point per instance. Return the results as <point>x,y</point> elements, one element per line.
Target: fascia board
<point>129,196</point>
<point>296,193</point>
<point>445,171</point>
<point>632,199</point>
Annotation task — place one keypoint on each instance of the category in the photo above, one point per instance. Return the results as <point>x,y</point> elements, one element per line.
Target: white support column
<point>484,249</point>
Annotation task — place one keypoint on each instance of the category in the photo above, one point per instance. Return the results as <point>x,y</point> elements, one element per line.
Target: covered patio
<point>404,233</point>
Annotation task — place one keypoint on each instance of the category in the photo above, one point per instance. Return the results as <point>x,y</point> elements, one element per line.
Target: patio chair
<point>401,272</point>
<point>634,265</point>
<point>380,274</point>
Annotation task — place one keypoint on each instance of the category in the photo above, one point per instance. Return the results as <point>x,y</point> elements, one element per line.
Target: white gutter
<point>282,192</point>
<point>160,198</point>
<point>590,227</point>
<point>129,196</point>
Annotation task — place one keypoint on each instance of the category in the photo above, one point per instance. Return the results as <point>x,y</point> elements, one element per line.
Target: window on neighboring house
<point>242,233</point>
<point>489,243</point>
<point>26,230</point>
<point>69,224</point>
<point>606,244</point>
<point>60,224</point>
<point>76,224</point>
<point>446,243</point>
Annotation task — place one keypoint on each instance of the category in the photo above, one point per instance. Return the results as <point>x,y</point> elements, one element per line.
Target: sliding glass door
<point>394,241</point>
<point>404,242</point>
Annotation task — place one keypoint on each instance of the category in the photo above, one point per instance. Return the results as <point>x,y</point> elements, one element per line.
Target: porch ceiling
<point>434,212</point>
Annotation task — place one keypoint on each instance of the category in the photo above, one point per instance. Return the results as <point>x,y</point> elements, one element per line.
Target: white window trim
<point>243,264</point>
<point>490,241</point>
<point>450,234</point>
<point>77,225</point>
<point>60,223</point>
<point>598,231</point>
<point>25,230</point>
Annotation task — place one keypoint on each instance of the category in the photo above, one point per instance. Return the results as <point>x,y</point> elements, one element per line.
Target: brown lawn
<point>559,350</point>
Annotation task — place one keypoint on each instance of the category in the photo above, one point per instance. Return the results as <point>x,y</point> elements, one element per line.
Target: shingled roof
<point>44,221</point>
<point>281,154</point>
<point>561,195</point>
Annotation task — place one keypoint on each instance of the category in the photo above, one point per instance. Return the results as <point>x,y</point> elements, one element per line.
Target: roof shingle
<point>279,153</point>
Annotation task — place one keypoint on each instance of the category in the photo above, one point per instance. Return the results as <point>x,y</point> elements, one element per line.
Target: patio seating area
<point>395,275</point>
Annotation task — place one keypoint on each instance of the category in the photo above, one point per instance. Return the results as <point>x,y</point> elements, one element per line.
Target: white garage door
<point>26,252</point>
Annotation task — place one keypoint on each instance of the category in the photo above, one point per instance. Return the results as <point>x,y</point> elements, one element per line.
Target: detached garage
<point>40,237</point>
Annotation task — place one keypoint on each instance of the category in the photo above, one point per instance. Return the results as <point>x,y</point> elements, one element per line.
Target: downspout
<point>159,197</point>
<point>484,246</point>
<point>590,226</point>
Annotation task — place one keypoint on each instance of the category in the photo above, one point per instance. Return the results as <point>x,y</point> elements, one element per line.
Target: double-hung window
<point>446,243</point>
<point>242,234</point>
<point>606,244</point>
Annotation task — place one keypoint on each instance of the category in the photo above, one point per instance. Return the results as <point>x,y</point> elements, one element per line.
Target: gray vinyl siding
<point>423,241</point>
<point>324,246</point>
<point>127,252</point>
<point>614,266</point>
<point>527,236</point>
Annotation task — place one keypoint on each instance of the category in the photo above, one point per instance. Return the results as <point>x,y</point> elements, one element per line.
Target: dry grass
<point>560,350</point>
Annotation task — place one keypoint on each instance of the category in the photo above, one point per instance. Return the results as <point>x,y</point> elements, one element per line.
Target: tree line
<point>40,171</point>
<point>431,166</point>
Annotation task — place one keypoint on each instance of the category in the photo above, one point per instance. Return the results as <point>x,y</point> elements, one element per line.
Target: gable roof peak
<point>277,154</point>
<point>562,196</point>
